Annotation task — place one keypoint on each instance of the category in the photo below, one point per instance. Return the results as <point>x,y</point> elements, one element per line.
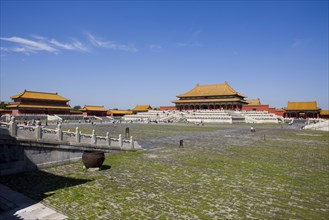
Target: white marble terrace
<point>206,116</point>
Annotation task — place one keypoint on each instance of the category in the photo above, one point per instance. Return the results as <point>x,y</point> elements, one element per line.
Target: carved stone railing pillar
<point>120,141</point>
<point>77,135</point>
<point>59,132</point>
<point>13,127</point>
<point>93,138</point>
<point>131,142</point>
<point>38,132</point>
<point>108,139</point>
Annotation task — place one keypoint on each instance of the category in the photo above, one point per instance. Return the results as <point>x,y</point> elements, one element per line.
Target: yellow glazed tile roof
<point>324,112</point>
<point>125,112</point>
<point>94,108</point>
<point>39,106</point>
<point>302,106</point>
<point>211,90</point>
<point>253,101</point>
<point>142,108</point>
<point>40,95</point>
<point>209,100</point>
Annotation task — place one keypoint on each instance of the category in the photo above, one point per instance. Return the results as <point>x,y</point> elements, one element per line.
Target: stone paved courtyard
<point>222,172</point>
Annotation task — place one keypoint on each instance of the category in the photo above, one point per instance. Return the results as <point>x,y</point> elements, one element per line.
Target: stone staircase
<point>236,117</point>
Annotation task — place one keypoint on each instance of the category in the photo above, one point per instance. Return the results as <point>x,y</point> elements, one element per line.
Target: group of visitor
<point>33,122</point>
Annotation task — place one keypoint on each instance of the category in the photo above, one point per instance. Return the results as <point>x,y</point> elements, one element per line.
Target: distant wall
<point>165,108</point>
<point>279,112</point>
<point>262,108</point>
<point>255,108</point>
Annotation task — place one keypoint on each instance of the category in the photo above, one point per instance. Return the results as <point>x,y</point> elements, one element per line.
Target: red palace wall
<point>255,108</point>
<point>165,108</point>
<point>262,108</point>
<point>279,113</point>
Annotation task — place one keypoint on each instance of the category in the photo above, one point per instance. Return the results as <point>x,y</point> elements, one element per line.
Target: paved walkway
<point>14,205</point>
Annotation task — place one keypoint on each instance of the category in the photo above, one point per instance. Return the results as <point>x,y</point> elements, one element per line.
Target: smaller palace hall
<point>30,102</point>
<point>213,96</point>
<point>302,110</point>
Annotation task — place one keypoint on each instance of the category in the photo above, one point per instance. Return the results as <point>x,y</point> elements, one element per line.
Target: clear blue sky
<point>123,53</point>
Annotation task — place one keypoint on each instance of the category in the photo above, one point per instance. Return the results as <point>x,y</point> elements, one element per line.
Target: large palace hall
<point>213,96</point>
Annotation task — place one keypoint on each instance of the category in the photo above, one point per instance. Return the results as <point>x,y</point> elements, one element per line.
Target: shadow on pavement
<point>35,186</point>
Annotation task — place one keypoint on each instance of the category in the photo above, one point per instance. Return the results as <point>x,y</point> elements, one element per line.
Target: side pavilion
<point>92,110</point>
<point>302,110</point>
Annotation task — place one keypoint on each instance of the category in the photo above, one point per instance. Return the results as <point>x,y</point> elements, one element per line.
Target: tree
<point>77,107</point>
<point>3,105</point>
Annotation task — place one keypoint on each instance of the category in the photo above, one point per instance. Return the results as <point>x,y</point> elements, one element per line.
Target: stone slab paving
<point>14,205</point>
